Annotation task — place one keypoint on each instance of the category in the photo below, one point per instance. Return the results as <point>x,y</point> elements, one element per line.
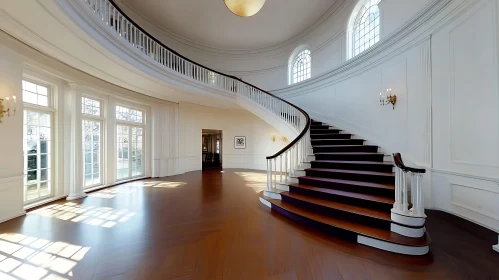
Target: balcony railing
<point>290,158</point>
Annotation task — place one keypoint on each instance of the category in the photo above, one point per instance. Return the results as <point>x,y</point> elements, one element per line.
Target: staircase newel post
<point>396,205</point>
<point>291,170</point>
<point>405,203</point>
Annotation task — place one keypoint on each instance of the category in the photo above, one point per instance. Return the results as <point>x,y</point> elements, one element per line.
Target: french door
<point>130,151</point>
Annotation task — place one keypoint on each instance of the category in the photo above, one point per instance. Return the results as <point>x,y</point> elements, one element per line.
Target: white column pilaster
<point>76,182</point>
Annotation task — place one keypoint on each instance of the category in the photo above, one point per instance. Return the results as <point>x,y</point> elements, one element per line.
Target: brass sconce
<point>387,98</point>
<point>5,108</point>
<point>273,138</point>
<point>284,139</point>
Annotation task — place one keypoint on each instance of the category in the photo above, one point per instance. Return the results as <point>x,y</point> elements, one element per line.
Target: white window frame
<point>351,28</point>
<point>101,119</point>
<point>292,60</point>
<point>131,125</point>
<point>50,110</point>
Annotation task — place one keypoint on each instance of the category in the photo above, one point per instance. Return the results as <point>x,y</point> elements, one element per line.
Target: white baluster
<point>269,174</point>
<point>280,164</point>
<point>405,198</point>
<point>275,176</point>
<point>286,173</point>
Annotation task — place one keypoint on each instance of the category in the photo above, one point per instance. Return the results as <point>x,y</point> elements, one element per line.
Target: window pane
<point>131,115</point>
<point>90,106</point>
<point>37,132</point>
<point>302,66</point>
<point>35,94</point>
<point>366,27</point>
<point>91,135</point>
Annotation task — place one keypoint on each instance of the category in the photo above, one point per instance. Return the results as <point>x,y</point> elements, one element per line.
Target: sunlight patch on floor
<point>111,192</point>
<point>31,258</point>
<point>256,181</point>
<point>169,185</point>
<point>91,215</point>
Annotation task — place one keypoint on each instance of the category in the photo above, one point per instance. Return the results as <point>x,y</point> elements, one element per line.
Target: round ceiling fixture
<point>244,8</point>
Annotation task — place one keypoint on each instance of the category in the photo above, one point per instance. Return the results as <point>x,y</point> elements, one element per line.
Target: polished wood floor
<point>210,225</point>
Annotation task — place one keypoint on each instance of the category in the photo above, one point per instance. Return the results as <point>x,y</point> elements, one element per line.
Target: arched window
<point>301,66</point>
<point>364,27</point>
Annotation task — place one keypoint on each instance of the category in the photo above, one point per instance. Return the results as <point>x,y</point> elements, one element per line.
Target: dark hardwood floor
<point>210,225</point>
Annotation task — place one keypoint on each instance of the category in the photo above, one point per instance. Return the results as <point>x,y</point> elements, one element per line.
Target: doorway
<point>212,148</point>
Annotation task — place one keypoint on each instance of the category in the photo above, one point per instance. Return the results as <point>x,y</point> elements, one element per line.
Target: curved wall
<point>268,68</point>
<point>443,67</point>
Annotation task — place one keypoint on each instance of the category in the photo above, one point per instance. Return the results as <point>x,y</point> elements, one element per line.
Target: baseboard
<point>43,202</point>
<point>13,217</point>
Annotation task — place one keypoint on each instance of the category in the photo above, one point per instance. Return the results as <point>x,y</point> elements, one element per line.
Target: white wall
<point>11,148</point>
<point>267,68</point>
<point>443,68</point>
<point>194,118</point>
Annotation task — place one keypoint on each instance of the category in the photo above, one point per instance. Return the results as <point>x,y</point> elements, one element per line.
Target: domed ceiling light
<point>244,8</point>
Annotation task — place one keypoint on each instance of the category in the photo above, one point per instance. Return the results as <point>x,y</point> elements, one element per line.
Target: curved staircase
<point>348,190</point>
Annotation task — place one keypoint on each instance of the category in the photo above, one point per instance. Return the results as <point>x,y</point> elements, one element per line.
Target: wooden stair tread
<point>351,182</point>
<point>390,174</point>
<point>342,146</point>
<point>373,213</point>
<point>336,139</point>
<point>380,234</point>
<point>355,162</point>
<point>369,197</point>
<point>347,153</point>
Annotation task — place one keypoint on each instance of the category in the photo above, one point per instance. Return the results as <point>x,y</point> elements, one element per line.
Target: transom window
<point>37,142</point>
<point>366,27</point>
<point>302,65</point>
<point>35,94</point>
<point>129,115</point>
<point>90,106</point>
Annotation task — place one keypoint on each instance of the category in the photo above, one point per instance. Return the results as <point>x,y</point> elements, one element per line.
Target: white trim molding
<point>395,248</point>
<point>266,203</point>
<point>408,231</point>
<point>496,247</point>
<point>407,220</point>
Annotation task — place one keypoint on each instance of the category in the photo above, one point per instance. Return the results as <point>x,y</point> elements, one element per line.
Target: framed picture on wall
<point>240,142</point>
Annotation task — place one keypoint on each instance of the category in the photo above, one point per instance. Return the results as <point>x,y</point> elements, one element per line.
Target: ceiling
<point>209,23</point>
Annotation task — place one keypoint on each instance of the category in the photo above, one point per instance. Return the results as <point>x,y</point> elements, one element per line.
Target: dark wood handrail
<point>307,124</point>
<point>397,158</point>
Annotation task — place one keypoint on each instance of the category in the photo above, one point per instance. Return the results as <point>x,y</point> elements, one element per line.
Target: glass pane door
<point>37,134</point>
<point>91,153</point>
<point>123,146</point>
<point>137,151</point>
<point>130,148</point>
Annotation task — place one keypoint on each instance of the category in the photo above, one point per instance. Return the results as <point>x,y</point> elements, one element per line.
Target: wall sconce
<point>5,108</point>
<point>387,98</point>
<point>284,139</point>
<point>273,138</point>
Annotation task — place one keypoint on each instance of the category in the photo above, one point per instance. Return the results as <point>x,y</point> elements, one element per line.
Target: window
<point>129,115</point>
<point>35,94</point>
<point>365,28</point>
<point>130,143</point>
<point>37,142</point>
<point>301,67</point>
<point>90,106</point>
<point>92,142</point>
